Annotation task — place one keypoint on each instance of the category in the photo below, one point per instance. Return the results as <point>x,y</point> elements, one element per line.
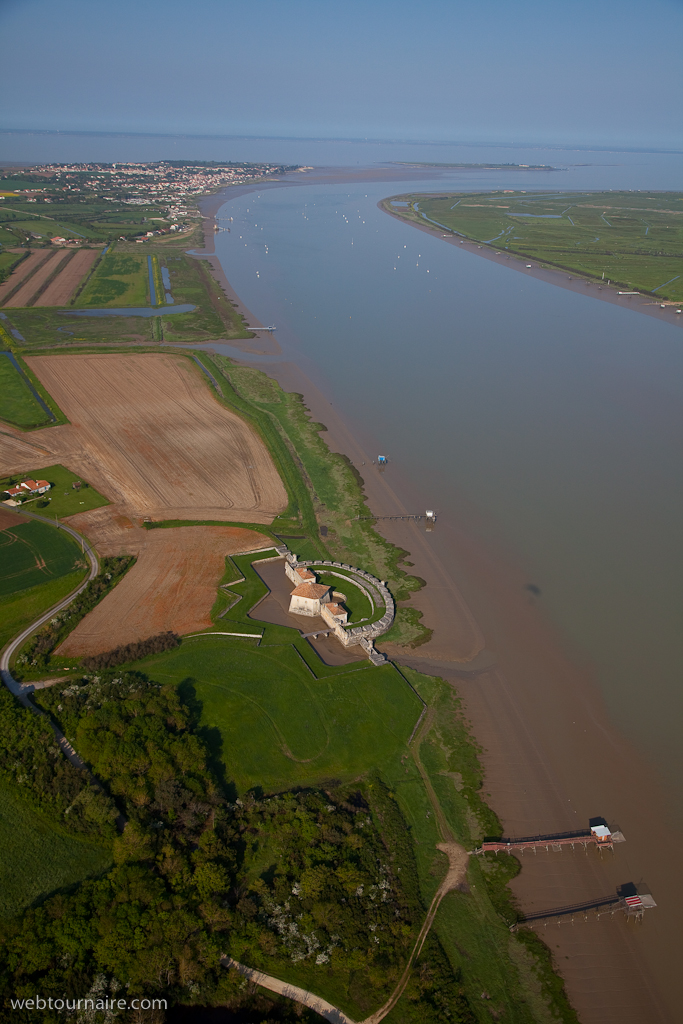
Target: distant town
<point>91,202</point>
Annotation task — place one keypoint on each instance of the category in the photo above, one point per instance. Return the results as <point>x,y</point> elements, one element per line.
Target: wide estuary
<point>545,427</point>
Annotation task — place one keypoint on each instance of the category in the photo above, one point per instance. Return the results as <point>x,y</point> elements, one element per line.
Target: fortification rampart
<point>375,590</point>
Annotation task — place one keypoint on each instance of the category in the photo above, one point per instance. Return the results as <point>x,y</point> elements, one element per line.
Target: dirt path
<point>299,995</point>
<point>456,878</point>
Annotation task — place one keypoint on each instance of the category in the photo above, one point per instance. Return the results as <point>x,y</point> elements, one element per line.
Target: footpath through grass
<point>634,239</point>
<point>36,860</point>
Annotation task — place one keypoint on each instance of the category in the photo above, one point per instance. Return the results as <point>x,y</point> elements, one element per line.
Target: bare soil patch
<point>27,291</point>
<point>59,291</point>
<point>146,431</point>
<point>172,586</point>
<point>26,267</point>
<point>17,455</point>
<point>8,519</point>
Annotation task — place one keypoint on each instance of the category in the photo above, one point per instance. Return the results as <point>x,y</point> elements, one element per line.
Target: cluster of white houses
<point>318,600</point>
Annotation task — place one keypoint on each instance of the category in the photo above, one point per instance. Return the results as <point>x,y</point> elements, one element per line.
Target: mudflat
<point>146,431</point>
<point>553,758</point>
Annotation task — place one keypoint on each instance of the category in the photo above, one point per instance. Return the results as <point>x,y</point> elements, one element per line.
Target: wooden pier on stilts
<point>597,834</point>
<point>626,899</point>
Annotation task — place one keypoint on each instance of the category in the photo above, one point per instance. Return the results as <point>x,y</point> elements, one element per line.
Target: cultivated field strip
<point>171,586</point>
<point>59,291</point>
<point>27,291</point>
<point>26,267</point>
<point>146,431</point>
<point>17,455</point>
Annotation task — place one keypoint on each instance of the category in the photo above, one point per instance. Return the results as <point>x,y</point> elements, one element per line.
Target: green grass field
<point>634,239</point>
<point>8,260</point>
<point>119,280</point>
<point>35,860</point>
<point>20,610</point>
<point>272,725</point>
<point>276,725</point>
<point>62,499</point>
<point>33,553</point>
<point>18,404</point>
<point>356,603</point>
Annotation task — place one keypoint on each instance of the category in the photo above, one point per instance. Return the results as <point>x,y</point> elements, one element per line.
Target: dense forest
<point>303,878</point>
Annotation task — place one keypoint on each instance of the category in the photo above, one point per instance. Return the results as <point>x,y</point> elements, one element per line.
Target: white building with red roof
<point>309,599</point>
<point>27,488</point>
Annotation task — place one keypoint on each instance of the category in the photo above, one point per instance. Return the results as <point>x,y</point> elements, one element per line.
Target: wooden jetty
<point>627,899</point>
<point>598,834</point>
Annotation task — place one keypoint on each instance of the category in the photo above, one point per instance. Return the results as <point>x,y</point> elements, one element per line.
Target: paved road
<point>19,690</point>
<point>23,690</point>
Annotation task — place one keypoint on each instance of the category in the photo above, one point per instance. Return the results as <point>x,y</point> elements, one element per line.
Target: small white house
<point>308,599</point>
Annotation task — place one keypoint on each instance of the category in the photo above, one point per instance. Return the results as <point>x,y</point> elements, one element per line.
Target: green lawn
<point>18,405</point>
<point>20,610</point>
<point>356,603</point>
<point>634,238</point>
<point>119,280</point>
<point>62,499</point>
<point>35,860</point>
<point>33,553</point>
<point>276,724</point>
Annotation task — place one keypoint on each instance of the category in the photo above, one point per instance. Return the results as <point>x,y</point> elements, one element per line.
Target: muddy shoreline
<point>570,281</point>
<point>553,758</point>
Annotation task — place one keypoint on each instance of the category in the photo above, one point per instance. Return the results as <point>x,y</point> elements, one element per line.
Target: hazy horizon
<point>606,77</point>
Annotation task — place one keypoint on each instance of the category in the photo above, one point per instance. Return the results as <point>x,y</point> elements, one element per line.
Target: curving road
<point>22,690</point>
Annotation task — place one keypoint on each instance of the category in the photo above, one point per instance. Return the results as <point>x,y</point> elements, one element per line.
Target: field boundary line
<point>252,636</point>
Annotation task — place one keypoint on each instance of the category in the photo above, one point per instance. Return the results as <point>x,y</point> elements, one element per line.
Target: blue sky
<point>602,73</point>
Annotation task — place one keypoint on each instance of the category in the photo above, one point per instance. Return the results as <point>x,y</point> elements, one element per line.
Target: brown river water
<point>545,428</point>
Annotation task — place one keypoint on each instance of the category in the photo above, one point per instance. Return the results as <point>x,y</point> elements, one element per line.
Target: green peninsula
<point>633,239</point>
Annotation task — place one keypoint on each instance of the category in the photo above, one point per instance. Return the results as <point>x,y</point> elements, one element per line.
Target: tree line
<point>301,880</point>
<point>132,652</point>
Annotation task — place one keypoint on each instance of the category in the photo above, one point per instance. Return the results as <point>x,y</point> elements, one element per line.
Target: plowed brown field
<point>171,586</point>
<point>26,266</point>
<point>58,292</point>
<point>146,431</point>
<point>27,291</point>
<point>17,455</point>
